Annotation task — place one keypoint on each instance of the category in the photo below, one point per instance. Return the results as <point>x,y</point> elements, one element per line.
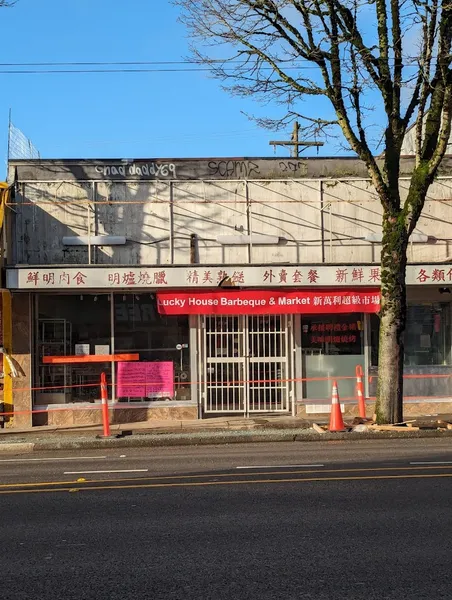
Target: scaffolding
<point>19,146</point>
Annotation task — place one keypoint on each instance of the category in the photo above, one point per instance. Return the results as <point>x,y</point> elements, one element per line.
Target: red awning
<point>265,302</point>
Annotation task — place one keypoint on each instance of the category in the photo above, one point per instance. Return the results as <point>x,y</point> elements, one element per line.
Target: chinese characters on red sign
<point>261,302</point>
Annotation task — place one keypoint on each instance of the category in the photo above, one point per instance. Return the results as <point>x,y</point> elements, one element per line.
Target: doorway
<point>246,364</point>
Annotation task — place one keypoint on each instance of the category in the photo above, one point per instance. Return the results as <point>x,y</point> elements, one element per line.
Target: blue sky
<point>121,115</point>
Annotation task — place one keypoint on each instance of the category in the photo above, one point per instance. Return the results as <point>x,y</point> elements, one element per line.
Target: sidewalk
<point>214,431</point>
<point>170,426</point>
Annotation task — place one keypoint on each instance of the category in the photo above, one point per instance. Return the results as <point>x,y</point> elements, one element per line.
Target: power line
<point>181,66</point>
<point>68,71</point>
<point>157,62</point>
<point>103,71</point>
<point>100,63</point>
<point>122,63</point>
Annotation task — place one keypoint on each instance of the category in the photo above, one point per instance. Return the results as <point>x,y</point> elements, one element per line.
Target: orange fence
<point>232,382</point>
<point>95,405</point>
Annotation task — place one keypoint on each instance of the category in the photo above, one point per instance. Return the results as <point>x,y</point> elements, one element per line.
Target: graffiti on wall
<point>228,168</point>
<point>247,169</point>
<point>234,169</point>
<point>290,166</point>
<point>138,170</point>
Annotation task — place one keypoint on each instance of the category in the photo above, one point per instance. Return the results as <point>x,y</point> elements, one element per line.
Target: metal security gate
<point>245,364</point>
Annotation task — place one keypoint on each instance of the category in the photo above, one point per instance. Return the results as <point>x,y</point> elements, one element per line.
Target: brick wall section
<point>21,351</point>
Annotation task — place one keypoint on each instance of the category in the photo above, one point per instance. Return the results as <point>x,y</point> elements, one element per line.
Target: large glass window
<point>81,325</point>
<point>332,334</point>
<point>427,335</point>
<point>332,347</point>
<point>68,326</point>
<point>162,343</point>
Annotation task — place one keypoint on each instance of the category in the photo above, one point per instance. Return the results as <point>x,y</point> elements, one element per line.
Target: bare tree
<point>361,60</point>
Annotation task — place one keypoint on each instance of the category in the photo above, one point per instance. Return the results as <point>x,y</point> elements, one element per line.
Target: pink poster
<point>159,379</point>
<point>131,380</point>
<point>145,380</point>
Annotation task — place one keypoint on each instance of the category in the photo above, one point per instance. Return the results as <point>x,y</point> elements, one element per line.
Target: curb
<point>22,447</point>
<point>373,435</point>
<point>212,438</point>
<point>166,440</point>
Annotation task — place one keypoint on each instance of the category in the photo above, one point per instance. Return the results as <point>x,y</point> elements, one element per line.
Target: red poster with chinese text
<point>264,302</point>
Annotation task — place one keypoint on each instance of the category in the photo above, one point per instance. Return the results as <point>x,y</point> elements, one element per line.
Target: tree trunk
<point>389,405</point>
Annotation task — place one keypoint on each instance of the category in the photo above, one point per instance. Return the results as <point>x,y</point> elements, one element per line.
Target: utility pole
<point>296,148</point>
<point>295,142</point>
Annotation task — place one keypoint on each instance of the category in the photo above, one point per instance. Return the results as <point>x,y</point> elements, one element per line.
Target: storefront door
<point>245,364</point>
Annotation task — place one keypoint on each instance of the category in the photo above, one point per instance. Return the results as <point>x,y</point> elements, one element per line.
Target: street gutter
<point>210,438</point>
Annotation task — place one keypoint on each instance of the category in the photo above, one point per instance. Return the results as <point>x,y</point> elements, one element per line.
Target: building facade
<point>213,286</point>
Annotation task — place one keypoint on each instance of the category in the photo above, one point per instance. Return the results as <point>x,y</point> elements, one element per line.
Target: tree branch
<point>441,83</point>
<point>398,61</point>
<point>424,85</point>
<point>360,145</point>
<point>353,35</point>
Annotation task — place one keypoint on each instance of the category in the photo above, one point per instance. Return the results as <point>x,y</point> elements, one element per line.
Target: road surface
<point>368,520</point>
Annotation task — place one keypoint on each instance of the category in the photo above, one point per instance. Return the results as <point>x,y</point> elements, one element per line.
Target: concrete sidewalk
<point>170,426</point>
<point>221,430</point>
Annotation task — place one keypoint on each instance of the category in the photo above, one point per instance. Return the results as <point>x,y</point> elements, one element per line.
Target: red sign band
<point>267,302</point>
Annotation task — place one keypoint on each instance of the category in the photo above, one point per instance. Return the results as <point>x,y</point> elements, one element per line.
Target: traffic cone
<point>360,392</point>
<point>336,421</point>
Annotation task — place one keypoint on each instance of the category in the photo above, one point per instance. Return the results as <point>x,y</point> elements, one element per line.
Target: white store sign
<point>198,276</point>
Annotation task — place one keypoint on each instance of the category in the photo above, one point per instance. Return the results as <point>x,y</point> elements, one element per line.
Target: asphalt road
<point>368,524</point>
<point>53,466</point>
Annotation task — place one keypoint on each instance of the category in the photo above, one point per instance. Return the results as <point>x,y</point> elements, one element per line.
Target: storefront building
<point>212,287</point>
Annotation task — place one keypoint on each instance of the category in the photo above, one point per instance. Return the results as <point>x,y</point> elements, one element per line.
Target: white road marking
<point>442,462</point>
<point>115,471</point>
<point>51,459</point>
<point>278,466</point>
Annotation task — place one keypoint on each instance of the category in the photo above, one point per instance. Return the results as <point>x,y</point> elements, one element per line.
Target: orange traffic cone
<point>336,421</point>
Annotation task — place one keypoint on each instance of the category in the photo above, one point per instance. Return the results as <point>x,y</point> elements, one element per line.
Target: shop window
<point>332,334</point>
<point>162,343</point>
<point>427,335</point>
<point>67,326</point>
<point>332,347</point>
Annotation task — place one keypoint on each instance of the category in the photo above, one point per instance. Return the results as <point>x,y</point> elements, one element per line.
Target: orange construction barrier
<point>360,392</point>
<point>104,398</point>
<point>89,358</point>
<point>336,420</point>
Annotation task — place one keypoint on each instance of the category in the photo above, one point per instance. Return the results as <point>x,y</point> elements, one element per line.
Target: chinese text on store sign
<point>208,277</point>
<point>224,302</point>
<point>336,333</point>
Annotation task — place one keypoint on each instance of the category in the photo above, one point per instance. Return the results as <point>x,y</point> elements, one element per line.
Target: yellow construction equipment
<point>5,195</point>
<point>6,384</point>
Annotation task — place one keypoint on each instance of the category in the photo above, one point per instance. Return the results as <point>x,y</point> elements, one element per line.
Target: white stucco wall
<point>321,220</point>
